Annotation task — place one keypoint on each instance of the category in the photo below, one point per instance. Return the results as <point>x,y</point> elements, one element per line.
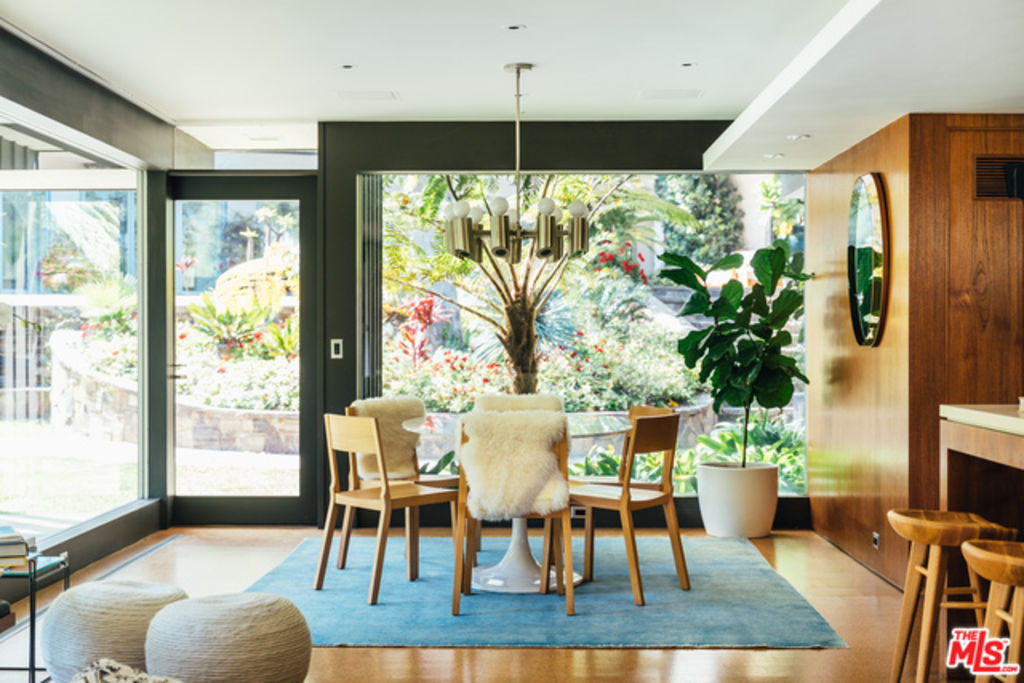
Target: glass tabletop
<point>43,563</point>
<point>580,424</point>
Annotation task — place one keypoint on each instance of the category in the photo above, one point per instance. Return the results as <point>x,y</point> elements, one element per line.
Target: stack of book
<point>14,548</point>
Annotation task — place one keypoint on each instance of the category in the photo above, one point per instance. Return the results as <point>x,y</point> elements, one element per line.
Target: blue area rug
<point>736,600</point>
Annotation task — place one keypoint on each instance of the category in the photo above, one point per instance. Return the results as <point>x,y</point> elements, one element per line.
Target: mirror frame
<point>880,224</point>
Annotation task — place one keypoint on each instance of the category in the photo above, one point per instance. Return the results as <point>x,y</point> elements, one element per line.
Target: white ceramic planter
<point>737,501</point>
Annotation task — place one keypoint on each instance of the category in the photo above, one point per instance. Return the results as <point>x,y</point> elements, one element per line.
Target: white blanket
<point>510,463</point>
<point>398,443</point>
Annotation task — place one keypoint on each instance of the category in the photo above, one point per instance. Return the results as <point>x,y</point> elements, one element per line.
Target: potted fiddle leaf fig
<point>743,359</point>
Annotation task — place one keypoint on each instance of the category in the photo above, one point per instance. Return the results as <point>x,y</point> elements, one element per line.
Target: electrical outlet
<point>875,539</point>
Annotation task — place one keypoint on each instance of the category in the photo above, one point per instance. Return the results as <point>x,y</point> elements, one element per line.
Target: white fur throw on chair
<point>509,463</point>
<point>398,443</point>
<point>504,402</point>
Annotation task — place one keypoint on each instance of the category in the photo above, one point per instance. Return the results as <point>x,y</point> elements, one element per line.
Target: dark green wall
<point>37,81</point>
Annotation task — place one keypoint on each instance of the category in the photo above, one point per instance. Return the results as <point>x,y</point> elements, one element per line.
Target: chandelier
<point>464,234</point>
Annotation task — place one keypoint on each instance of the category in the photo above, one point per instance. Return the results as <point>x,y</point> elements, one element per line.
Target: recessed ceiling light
<point>263,138</point>
<point>347,67</point>
<point>516,27</point>
<point>799,136</point>
<point>687,65</point>
<point>774,155</point>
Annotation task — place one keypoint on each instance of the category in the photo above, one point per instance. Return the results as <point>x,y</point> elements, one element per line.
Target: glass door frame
<point>299,509</point>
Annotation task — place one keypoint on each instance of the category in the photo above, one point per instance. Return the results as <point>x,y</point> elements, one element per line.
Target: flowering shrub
<point>596,374</point>
<point>613,258</point>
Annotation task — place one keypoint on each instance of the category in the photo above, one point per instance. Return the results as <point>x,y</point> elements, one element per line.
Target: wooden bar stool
<point>932,533</point>
<point>1002,563</point>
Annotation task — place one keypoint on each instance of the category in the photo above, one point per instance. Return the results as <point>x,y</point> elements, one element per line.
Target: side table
<point>37,567</point>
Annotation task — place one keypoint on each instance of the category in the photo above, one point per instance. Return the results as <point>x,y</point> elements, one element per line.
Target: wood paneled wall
<point>955,327</point>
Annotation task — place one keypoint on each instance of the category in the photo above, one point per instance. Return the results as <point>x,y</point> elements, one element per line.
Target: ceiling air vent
<point>990,178</point>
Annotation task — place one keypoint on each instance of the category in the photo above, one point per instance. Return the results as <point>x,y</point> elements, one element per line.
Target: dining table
<point>518,571</point>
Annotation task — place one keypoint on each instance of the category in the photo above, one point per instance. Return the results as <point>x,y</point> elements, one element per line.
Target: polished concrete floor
<point>861,607</point>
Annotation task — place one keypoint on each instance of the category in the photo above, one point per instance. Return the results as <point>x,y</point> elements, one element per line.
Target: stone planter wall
<point>107,408</point>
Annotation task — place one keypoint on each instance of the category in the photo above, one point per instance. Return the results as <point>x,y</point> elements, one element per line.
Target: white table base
<point>518,571</point>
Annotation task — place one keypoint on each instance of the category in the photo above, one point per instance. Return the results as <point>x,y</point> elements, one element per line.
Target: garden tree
<point>713,200</point>
<point>509,298</point>
<point>787,213</point>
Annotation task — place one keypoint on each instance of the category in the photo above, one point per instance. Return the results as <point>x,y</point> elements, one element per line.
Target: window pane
<point>68,346</point>
<point>237,347</point>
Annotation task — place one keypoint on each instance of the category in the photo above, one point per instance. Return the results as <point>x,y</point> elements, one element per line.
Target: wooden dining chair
<point>355,435</point>
<point>621,474</point>
<point>557,520</point>
<point>650,434</point>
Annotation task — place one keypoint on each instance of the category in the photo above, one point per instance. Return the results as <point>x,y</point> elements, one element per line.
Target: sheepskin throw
<point>398,443</point>
<point>505,402</point>
<point>510,464</point>
<point>110,671</point>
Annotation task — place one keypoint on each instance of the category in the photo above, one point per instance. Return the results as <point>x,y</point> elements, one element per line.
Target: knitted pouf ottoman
<point>251,637</point>
<point>101,619</point>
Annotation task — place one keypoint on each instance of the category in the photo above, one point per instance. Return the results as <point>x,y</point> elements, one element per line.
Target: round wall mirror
<point>867,258</point>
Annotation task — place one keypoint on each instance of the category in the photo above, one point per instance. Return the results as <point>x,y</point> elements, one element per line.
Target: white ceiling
<point>259,74</point>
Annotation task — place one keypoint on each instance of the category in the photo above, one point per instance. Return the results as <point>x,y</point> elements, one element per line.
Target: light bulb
<point>460,209</point>
<point>546,206</point>
<point>513,217</point>
<point>476,214</point>
<point>446,212</point>
<point>499,205</point>
<point>578,209</point>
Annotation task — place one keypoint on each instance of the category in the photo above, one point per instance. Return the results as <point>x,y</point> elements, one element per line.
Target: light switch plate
<point>337,349</point>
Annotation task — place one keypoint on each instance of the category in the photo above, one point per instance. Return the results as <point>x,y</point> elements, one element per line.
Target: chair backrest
<point>635,412</point>
<point>353,434</point>
<point>399,444</point>
<point>510,402</point>
<point>653,434</point>
<point>514,463</point>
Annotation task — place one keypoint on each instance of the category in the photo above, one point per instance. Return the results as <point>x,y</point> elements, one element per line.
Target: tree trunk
<point>521,346</point>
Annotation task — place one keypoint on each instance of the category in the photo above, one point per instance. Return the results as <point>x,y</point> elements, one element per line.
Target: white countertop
<point>999,417</point>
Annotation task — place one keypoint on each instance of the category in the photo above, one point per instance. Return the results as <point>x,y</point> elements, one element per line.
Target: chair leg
<point>378,553</point>
<point>998,596</point>
<point>631,555</point>
<point>556,548</point>
<point>471,528</point>
<point>478,538</point>
<point>453,506</point>
<point>570,595</point>
<point>979,612</point>
<point>911,595</point>
<point>412,543</point>
<point>545,554</point>
<point>460,564</point>
<point>1016,629</point>
<point>325,547</point>
<point>935,584</point>
<point>346,533</point>
<point>672,523</point>
<point>588,543</point>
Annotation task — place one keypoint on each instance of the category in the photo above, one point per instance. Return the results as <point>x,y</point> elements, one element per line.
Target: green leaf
<point>727,262</point>
<point>768,265</point>
<point>684,262</point>
<point>785,304</point>
<point>686,278</point>
<point>697,304</point>
<point>732,291</point>
<point>735,396</point>
<point>690,346</point>
<point>756,300</point>
<point>783,338</point>
<point>773,389</point>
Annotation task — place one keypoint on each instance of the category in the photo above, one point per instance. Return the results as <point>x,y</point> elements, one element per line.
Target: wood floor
<point>861,607</point>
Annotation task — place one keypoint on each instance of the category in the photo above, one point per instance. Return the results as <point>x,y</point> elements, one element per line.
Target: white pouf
<point>101,619</point>
<point>251,637</point>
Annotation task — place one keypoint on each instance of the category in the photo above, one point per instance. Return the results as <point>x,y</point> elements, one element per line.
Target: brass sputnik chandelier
<point>463,225</point>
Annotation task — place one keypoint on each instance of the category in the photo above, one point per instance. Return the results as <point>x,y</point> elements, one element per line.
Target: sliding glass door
<point>243,288</point>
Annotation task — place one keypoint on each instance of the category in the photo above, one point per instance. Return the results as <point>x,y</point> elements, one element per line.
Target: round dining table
<point>518,571</point>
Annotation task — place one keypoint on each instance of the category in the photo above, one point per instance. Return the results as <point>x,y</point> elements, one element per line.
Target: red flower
<point>221,370</point>
<point>182,335</point>
<point>641,257</point>
<point>115,352</point>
